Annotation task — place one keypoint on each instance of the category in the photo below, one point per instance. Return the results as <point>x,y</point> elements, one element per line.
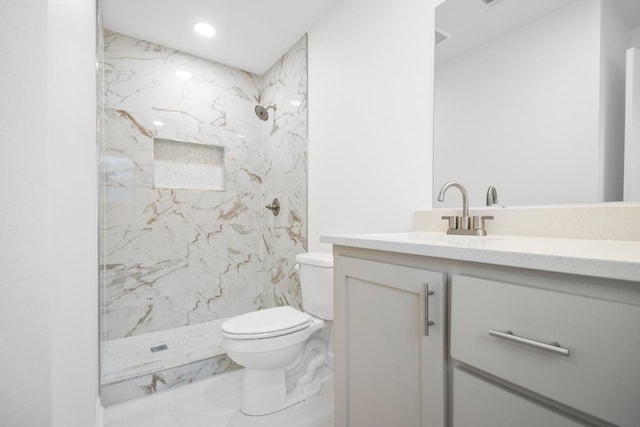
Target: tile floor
<point>214,402</point>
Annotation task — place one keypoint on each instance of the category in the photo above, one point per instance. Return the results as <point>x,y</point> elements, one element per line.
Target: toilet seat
<point>272,322</point>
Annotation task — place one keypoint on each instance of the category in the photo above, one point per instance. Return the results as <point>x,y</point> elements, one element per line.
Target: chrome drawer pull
<point>554,347</point>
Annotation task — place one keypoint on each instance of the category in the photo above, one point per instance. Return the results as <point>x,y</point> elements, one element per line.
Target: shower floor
<point>130,357</point>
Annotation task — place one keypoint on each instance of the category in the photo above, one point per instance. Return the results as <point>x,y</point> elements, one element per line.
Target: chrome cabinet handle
<point>427,322</point>
<point>554,347</point>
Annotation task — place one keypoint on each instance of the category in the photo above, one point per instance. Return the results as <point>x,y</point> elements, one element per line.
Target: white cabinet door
<point>389,363</point>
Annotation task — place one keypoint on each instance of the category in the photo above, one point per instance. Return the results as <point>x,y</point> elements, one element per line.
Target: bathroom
<point>367,60</point>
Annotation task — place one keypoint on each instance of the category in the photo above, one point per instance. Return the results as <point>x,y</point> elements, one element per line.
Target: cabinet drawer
<point>601,373</point>
<point>479,403</point>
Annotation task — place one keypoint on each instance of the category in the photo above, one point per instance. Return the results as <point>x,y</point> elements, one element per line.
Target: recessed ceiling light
<point>204,29</point>
<point>158,123</point>
<point>295,103</point>
<point>183,74</point>
<point>240,135</point>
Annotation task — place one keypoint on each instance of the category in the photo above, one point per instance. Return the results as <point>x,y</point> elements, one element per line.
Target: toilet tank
<point>316,282</point>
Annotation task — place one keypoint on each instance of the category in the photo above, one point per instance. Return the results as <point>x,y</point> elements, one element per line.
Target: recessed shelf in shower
<point>187,165</point>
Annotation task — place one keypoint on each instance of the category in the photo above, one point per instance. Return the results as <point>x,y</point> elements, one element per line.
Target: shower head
<point>263,113</point>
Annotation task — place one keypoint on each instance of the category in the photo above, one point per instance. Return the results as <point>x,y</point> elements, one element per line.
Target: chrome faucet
<point>465,225</point>
<point>492,196</point>
<point>465,202</point>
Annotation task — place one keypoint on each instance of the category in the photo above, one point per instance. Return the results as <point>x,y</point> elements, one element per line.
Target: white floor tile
<point>216,402</point>
<point>163,416</point>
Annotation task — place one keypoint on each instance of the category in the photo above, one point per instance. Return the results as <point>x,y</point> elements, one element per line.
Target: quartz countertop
<point>611,259</point>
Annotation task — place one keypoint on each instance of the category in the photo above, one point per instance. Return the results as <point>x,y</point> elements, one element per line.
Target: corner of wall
<point>73,212</point>
<point>99,413</point>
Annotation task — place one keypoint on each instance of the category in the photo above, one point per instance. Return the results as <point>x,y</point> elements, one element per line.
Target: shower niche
<point>180,164</point>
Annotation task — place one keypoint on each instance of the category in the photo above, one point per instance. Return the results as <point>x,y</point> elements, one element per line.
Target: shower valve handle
<point>274,207</point>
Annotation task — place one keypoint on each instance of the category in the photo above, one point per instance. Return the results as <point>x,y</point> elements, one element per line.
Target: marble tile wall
<point>130,357</point>
<point>285,175</point>
<point>143,385</point>
<point>176,257</point>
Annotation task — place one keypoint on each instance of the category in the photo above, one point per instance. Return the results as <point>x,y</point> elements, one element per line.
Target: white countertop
<point>599,258</point>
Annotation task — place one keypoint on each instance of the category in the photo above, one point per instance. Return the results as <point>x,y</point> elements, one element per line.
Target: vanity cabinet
<point>579,351</point>
<point>520,337</point>
<point>389,344</point>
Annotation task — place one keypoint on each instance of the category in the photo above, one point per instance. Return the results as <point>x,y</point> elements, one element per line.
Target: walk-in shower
<point>178,257</point>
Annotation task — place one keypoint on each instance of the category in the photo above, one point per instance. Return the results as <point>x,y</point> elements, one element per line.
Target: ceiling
<point>250,34</point>
<point>473,24</point>
<point>629,10</point>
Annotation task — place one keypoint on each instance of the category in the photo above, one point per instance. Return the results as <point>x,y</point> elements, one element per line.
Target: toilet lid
<point>266,323</point>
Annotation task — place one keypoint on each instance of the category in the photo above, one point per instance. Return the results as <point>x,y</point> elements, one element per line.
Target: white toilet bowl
<point>280,359</point>
<point>279,347</point>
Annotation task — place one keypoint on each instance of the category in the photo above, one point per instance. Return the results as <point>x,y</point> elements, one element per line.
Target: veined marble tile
<point>128,130</point>
<point>285,176</point>
<point>165,276</point>
<point>141,75</point>
<point>241,140</point>
<point>174,257</point>
<point>286,166</point>
<point>142,207</point>
<point>164,380</point>
<point>286,85</point>
<point>244,177</point>
<point>124,358</point>
<point>126,168</point>
<point>127,159</point>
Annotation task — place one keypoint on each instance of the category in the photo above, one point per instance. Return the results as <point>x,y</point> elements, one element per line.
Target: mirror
<point>530,99</point>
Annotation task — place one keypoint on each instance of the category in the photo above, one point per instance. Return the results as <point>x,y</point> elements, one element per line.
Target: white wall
<point>48,218</point>
<point>635,37</point>
<point>631,188</point>
<point>25,368</point>
<point>73,211</point>
<point>521,113</point>
<point>370,109</point>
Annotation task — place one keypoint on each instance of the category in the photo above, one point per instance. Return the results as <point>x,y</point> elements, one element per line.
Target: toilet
<point>280,347</point>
